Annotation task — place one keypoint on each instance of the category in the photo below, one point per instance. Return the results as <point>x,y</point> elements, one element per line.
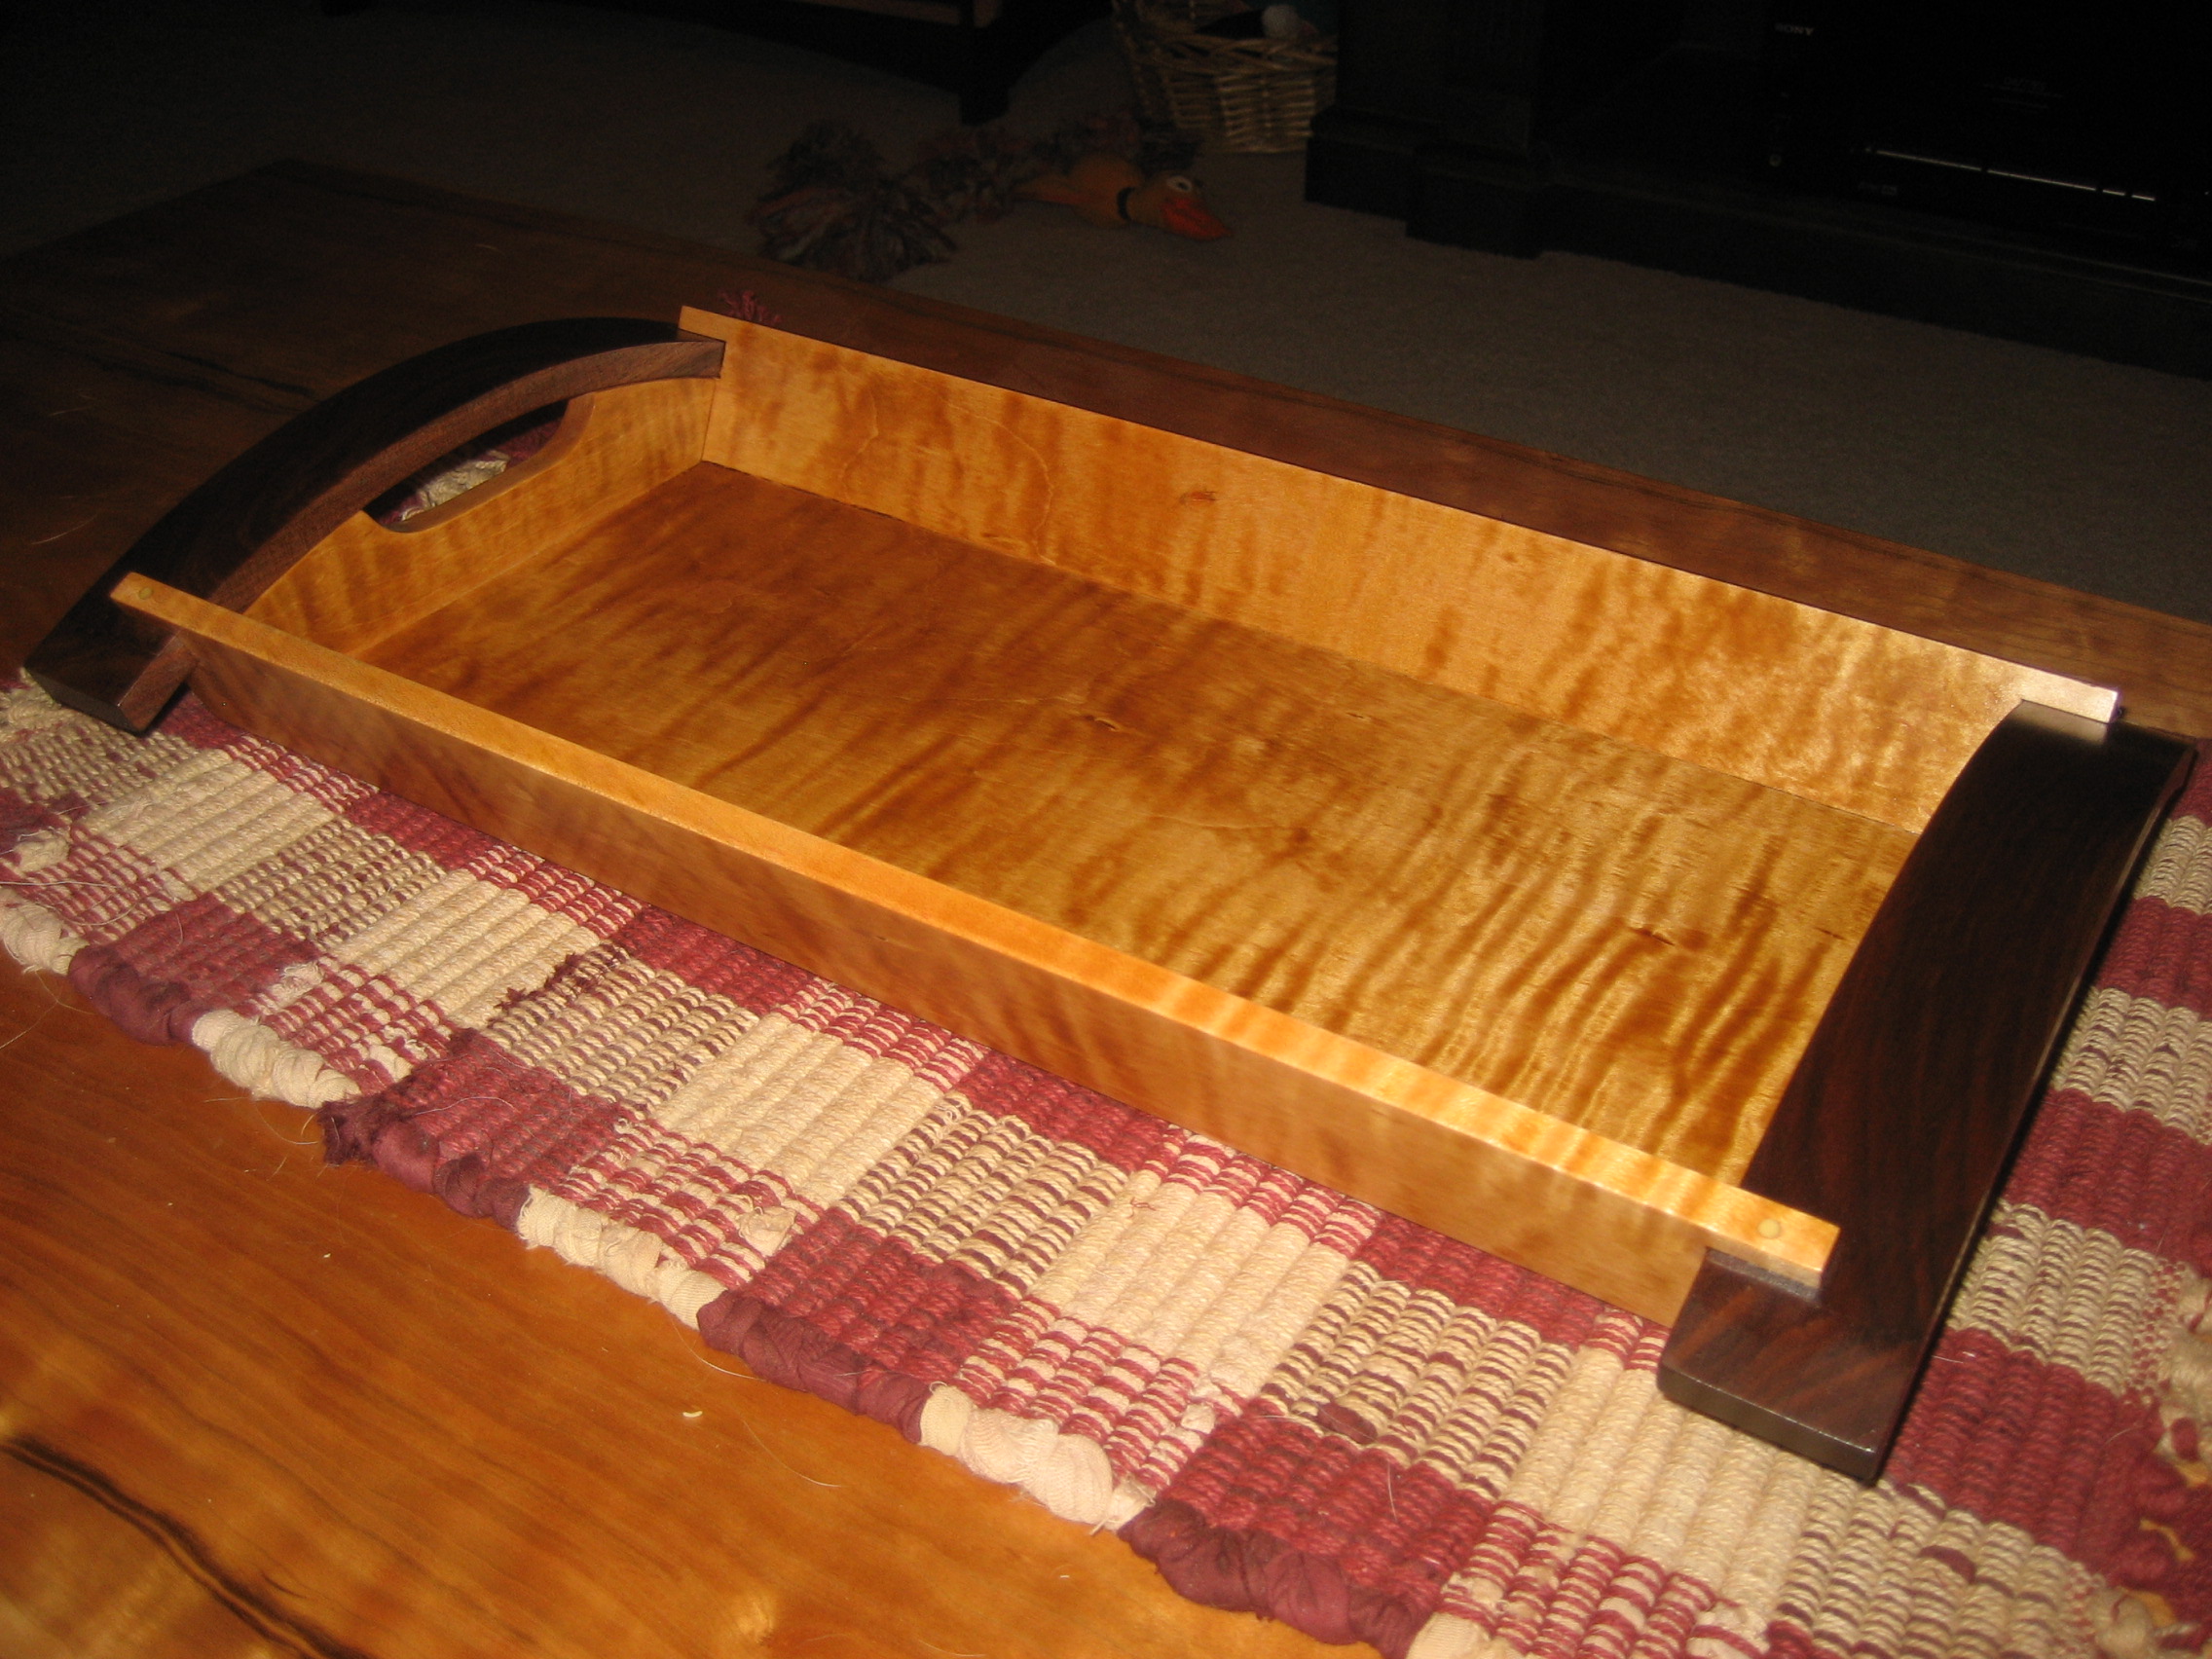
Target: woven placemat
<point>1292,1403</point>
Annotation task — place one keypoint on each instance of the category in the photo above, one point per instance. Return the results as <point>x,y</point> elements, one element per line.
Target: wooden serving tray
<point>1701,948</point>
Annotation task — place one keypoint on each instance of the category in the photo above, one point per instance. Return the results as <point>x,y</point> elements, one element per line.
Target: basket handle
<point>233,536</point>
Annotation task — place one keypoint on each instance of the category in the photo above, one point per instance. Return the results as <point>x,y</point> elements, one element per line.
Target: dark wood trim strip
<point>1903,1115</point>
<point>236,534</point>
<point>279,1630</point>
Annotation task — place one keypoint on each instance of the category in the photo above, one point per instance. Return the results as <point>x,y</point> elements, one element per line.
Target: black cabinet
<point>2040,169</point>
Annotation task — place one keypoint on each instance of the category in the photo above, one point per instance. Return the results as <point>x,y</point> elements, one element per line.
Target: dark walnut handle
<point>1900,1118</point>
<point>231,537</point>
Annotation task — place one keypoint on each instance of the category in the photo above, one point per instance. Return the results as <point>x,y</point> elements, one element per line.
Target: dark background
<point>2054,464</point>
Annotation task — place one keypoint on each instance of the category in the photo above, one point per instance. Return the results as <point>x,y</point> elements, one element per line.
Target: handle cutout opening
<point>470,475</point>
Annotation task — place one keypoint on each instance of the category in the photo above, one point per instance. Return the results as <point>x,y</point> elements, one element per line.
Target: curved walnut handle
<point>231,537</point>
<point>1901,1117</point>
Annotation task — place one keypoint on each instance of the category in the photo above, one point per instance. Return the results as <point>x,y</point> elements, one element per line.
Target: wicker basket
<point>1237,95</point>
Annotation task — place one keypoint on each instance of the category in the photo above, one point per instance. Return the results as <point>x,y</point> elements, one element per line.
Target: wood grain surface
<point>254,1406</point>
<point>1600,1214</point>
<point>1629,943</point>
<point>1860,718</point>
<point>2162,664</point>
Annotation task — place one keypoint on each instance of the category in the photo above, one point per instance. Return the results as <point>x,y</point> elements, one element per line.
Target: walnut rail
<point>1929,1054</point>
<point>1904,1110</point>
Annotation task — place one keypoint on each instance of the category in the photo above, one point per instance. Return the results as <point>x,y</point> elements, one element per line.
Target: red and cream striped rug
<point>1288,1401</point>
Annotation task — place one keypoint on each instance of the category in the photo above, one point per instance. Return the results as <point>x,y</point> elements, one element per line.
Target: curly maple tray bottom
<point>1442,878</point>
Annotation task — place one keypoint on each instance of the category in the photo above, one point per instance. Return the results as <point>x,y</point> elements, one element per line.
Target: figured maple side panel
<point>364,581</point>
<point>1627,942</point>
<point>1615,1221</point>
<point>1840,711</point>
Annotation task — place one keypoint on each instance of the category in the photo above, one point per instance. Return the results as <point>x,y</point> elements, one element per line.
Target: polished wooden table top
<point>252,1405</point>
